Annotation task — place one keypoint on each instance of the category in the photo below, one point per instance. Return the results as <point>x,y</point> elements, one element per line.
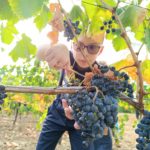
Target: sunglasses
<point>91,49</point>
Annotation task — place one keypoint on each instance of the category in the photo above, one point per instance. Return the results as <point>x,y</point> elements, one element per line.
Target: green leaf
<point>145,65</point>
<point>7,33</point>
<point>89,9</point>
<point>75,12</point>
<point>133,16</point>
<point>5,11</point>
<point>110,2</point>
<point>23,49</point>
<point>26,8</point>
<point>121,10</point>
<point>139,33</point>
<point>147,38</point>
<point>43,18</point>
<point>119,43</point>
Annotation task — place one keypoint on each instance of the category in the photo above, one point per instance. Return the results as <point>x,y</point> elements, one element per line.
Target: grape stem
<point>146,93</point>
<point>126,67</point>
<point>97,91</point>
<point>140,49</point>
<point>76,72</point>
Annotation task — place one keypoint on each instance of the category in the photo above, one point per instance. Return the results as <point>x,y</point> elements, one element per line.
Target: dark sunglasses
<point>91,49</point>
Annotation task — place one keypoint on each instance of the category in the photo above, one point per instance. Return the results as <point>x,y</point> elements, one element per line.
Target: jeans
<point>56,124</point>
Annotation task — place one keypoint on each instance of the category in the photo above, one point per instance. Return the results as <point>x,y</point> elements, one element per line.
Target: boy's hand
<point>67,109</point>
<point>56,55</point>
<point>68,113</point>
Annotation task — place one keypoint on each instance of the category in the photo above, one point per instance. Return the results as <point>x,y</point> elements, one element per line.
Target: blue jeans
<point>56,124</point>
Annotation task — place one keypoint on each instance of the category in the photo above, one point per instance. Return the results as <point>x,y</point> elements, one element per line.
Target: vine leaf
<point>139,33</point>
<point>128,61</point>
<point>53,36</point>
<point>25,8</point>
<point>89,9</point>
<point>43,18</point>
<point>133,16</point>
<point>23,49</point>
<point>53,7</point>
<point>75,13</point>
<point>7,32</point>
<point>111,3</point>
<point>145,70</point>
<point>56,22</point>
<point>6,12</point>
<point>147,37</point>
<point>119,43</point>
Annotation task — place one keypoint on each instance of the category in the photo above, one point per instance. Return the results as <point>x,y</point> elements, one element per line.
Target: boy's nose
<point>83,52</point>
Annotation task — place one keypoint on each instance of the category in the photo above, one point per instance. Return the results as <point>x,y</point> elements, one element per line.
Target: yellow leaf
<point>53,35</point>
<point>54,7</point>
<point>127,62</point>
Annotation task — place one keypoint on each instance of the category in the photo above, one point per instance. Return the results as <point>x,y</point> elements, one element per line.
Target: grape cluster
<point>108,25</point>
<point>68,29</point>
<point>2,94</point>
<point>97,109</point>
<point>93,114</point>
<point>113,87</point>
<point>143,130</point>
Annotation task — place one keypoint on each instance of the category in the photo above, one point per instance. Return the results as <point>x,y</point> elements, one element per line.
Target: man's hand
<point>68,112</point>
<point>56,55</point>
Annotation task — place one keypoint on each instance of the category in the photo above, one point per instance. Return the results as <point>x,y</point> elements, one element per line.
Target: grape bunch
<point>68,29</point>
<point>93,115</point>
<point>2,94</point>
<point>113,87</point>
<point>143,130</point>
<point>97,108</point>
<point>108,25</point>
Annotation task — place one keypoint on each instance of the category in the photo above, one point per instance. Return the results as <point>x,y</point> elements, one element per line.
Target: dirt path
<point>24,135</point>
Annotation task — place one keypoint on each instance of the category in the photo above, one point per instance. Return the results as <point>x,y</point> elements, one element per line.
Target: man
<point>58,121</point>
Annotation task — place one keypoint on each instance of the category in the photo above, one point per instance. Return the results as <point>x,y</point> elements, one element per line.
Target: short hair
<point>99,38</point>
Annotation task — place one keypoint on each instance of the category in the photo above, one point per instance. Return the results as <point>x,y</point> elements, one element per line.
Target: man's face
<point>91,49</point>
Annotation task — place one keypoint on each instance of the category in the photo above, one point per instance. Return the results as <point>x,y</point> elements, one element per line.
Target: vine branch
<point>134,56</point>
<point>140,49</point>
<point>146,93</point>
<point>62,90</point>
<point>126,67</point>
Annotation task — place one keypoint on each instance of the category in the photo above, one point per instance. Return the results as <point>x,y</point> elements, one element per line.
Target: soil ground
<point>24,136</point>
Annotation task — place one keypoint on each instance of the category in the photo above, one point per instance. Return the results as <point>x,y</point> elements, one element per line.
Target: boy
<point>59,118</point>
